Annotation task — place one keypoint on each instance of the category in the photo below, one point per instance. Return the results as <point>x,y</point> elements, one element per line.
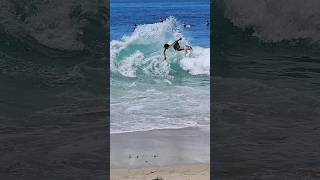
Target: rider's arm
<point>175,42</point>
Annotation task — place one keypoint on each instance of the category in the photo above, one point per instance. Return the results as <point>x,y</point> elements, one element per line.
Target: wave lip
<point>141,53</point>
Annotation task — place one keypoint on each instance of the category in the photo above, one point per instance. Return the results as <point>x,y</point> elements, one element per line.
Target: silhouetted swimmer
<point>207,23</point>
<point>161,20</point>
<point>134,27</point>
<point>184,25</point>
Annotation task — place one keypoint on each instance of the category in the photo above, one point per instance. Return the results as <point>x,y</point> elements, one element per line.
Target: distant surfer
<point>207,23</point>
<point>161,20</point>
<point>134,27</point>
<point>176,46</point>
<point>184,25</point>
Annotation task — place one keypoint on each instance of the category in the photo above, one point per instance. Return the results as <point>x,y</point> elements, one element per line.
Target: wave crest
<point>276,20</point>
<point>141,53</point>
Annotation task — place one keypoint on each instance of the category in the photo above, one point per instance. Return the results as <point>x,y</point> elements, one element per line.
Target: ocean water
<point>52,86</point>
<point>267,93</point>
<point>145,91</point>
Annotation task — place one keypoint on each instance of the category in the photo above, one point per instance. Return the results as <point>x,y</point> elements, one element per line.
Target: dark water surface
<point>53,90</point>
<point>265,104</point>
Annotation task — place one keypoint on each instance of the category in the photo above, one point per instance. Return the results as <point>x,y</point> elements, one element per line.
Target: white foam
<point>276,20</point>
<point>198,62</point>
<point>143,50</point>
<point>129,66</point>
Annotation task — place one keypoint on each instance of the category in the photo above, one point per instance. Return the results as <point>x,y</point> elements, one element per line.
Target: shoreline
<point>160,148</point>
<point>161,154</point>
<point>203,127</point>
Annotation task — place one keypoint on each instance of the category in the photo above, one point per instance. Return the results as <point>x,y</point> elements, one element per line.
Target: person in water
<point>176,46</point>
<point>184,25</point>
<point>161,20</point>
<point>134,27</point>
<point>207,23</point>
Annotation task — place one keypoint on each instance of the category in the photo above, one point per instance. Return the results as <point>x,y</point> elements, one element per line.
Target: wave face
<point>52,43</point>
<point>141,53</point>
<point>49,58</point>
<point>276,20</point>
<point>149,93</point>
<point>247,31</point>
<point>60,24</point>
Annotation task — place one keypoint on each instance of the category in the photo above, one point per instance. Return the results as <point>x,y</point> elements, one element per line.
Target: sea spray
<point>276,20</point>
<point>142,52</point>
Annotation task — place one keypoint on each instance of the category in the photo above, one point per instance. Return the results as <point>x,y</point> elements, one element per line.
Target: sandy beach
<point>177,172</point>
<point>167,153</point>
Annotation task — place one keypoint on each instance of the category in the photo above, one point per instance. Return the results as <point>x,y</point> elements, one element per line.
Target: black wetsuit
<point>176,46</point>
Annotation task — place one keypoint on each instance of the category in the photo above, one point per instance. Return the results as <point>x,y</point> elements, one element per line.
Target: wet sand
<point>168,153</point>
<point>178,172</point>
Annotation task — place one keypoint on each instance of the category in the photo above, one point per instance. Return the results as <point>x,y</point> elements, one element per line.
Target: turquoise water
<point>147,92</point>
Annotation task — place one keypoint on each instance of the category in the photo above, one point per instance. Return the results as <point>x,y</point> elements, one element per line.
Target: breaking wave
<point>141,53</point>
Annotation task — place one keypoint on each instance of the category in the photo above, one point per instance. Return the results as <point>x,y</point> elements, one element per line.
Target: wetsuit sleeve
<point>174,43</point>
